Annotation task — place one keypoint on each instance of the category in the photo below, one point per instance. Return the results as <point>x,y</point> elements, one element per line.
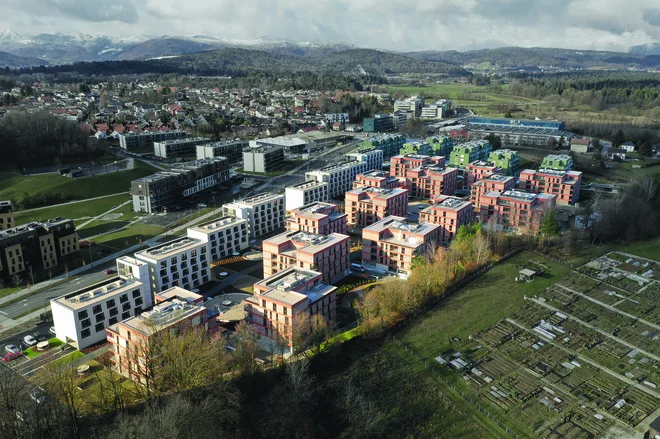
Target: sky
<point>402,25</point>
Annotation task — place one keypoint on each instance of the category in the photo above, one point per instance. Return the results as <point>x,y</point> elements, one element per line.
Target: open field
<point>576,358</point>
<point>14,186</point>
<point>85,209</point>
<point>129,236</point>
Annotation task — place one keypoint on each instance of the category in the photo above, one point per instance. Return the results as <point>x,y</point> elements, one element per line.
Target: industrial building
<point>514,132</point>
<point>158,191</point>
<point>263,159</point>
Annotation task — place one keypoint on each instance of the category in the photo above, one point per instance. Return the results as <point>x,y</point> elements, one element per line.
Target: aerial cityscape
<point>343,220</point>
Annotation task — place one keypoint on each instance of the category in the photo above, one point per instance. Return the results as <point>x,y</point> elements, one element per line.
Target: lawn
<point>478,305</point>
<point>84,209</point>
<point>34,353</point>
<point>129,236</point>
<point>99,226</point>
<point>648,249</point>
<point>13,185</point>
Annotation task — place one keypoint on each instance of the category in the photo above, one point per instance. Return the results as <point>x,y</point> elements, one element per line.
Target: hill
<point>158,47</point>
<point>10,60</point>
<point>645,49</point>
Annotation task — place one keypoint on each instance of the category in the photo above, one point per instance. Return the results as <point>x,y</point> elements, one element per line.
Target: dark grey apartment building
<point>168,149</point>
<point>263,159</point>
<point>146,139</point>
<point>232,149</point>
<point>152,194</point>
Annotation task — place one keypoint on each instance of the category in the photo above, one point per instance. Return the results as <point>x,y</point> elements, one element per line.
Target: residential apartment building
<point>166,188</point>
<point>390,144</point>
<point>263,159</point>
<point>183,262</point>
<point>393,243</point>
<point>380,123</point>
<point>418,147</point>
<point>441,145</point>
<point>340,177</point>
<point>373,158</point>
<point>558,162</point>
<point>466,153</point>
<point>264,213</point>
<point>81,317</point>
<point>40,246</point>
<point>507,160</point>
<point>280,302</point>
<point>515,211</point>
<point>224,236</point>
<point>401,164</point>
<point>6,215</point>
<point>365,206</point>
<point>336,117</point>
<point>232,149</point>
<point>428,182</point>
<point>327,254</point>
<point>493,183</point>
<point>145,140</point>
<point>378,179</point>
<point>450,213</point>
<point>564,184</point>
<point>317,218</point>
<point>130,340</point>
<point>179,147</point>
<point>479,170</point>
<point>305,193</point>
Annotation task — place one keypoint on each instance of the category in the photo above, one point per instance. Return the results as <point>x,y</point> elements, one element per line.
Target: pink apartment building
<point>401,164</point>
<point>366,206</point>
<point>281,300</point>
<point>564,184</point>
<point>378,179</point>
<point>431,181</point>
<point>319,218</point>
<point>515,211</point>
<point>393,243</point>
<point>327,254</point>
<point>479,170</point>
<point>449,213</point>
<point>494,183</point>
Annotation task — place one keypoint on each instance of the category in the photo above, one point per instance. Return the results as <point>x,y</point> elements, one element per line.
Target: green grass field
<point>98,227</point>
<point>129,236</point>
<point>85,209</point>
<point>13,186</point>
<point>649,249</point>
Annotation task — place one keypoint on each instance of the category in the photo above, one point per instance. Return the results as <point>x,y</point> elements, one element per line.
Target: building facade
<point>441,145</point>
<point>389,144</point>
<point>429,182</point>
<point>507,160</point>
<point>515,211</point>
<point>377,179</point>
<point>380,123</point>
<point>287,299</point>
<point>450,213</point>
<point>392,244</point>
<point>421,147</point>
<point>564,184</point>
<point>264,213</point>
<point>305,193</point>
<point>479,170</point>
<point>493,183</point>
<point>232,149</point>
<point>558,162</point>
<point>327,254</point>
<point>224,236</point>
<point>6,215</point>
<point>179,147</point>
<point>263,159</point>
<point>159,191</point>
<point>373,158</point>
<point>466,153</point>
<point>339,177</point>
<point>145,140</point>
<point>317,218</point>
<point>401,164</point>
<point>366,206</point>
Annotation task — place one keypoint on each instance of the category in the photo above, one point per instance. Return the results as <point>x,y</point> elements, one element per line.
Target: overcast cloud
<point>396,25</point>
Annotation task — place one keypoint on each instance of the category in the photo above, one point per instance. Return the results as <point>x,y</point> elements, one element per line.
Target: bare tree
<point>59,378</point>
<point>32,275</point>
<point>16,279</point>
<point>311,334</point>
<point>244,341</point>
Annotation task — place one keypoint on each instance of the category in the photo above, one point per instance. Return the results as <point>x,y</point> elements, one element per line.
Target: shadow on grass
<point>101,228</point>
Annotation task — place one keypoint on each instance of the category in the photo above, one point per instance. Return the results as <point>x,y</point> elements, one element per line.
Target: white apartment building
<point>264,213</point>
<point>224,236</point>
<point>372,157</point>
<point>302,194</point>
<point>340,177</point>
<point>183,262</point>
<point>81,317</point>
<point>336,117</point>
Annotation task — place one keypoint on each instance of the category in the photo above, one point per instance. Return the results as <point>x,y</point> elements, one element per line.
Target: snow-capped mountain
<point>646,49</point>
<point>61,48</point>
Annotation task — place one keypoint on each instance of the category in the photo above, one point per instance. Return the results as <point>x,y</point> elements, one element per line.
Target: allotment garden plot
<point>577,356</point>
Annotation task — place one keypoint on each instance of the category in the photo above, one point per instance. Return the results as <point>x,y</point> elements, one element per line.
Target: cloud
<point>404,25</point>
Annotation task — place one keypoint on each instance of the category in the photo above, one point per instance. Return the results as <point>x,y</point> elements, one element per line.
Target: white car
<point>12,349</point>
<point>29,340</point>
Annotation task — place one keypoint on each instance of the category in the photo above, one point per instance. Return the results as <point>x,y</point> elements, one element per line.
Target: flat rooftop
<point>399,226</point>
<point>257,199</point>
<point>319,210</point>
<point>309,184</point>
<point>451,203</point>
<point>218,224</point>
<point>378,174</point>
<point>152,133</point>
<point>558,157</point>
<point>179,293</point>
<point>170,248</point>
<point>307,242</point>
<point>97,293</point>
<point>498,177</point>
<point>282,288</point>
<point>162,316</point>
<point>375,192</point>
<point>185,140</point>
<point>339,166</point>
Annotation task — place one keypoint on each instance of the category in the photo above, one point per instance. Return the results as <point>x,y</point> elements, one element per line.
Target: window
<point>126,306</point>
<point>99,327</point>
<point>82,314</point>
<point>86,323</point>
<point>113,320</point>
<point>136,294</point>
<point>128,335</point>
<point>99,317</point>
<point>139,301</point>
<point>113,311</point>
<point>123,298</point>
<point>110,303</point>
<point>85,333</point>
<point>97,309</point>
<point>138,310</point>
<point>125,315</point>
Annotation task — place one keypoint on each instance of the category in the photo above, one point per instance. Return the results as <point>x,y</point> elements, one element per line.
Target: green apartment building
<point>389,144</point>
<point>559,162</point>
<point>506,159</point>
<point>420,147</point>
<point>442,145</point>
<point>469,152</point>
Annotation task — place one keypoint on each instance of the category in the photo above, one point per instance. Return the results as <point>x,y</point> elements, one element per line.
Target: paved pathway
<point>102,214</point>
<point>230,279</point>
<point>72,202</point>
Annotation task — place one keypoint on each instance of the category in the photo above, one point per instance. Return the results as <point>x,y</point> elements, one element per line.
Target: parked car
<point>11,356</point>
<point>357,267</point>
<point>39,337</point>
<point>202,205</point>
<point>29,340</point>
<point>11,348</point>
<point>109,271</point>
<point>52,330</point>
